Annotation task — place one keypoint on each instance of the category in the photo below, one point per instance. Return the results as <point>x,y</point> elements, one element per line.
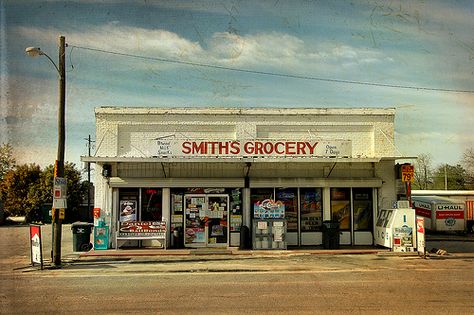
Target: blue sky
<point>410,43</point>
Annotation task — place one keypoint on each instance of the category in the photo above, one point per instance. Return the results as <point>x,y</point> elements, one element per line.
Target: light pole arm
<point>54,64</point>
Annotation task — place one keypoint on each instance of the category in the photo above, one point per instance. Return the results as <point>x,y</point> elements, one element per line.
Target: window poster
<point>278,232</point>
<point>341,207</point>
<point>177,203</point>
<point>199,201</point>
<point>269,209</point>
<point>195,235</point>
<point>341,212</point>
<point>177,218</point>
<point>217,230</point>
<point>235,195</point>
<point>128,210</point>
<point>235,222</point>
<point>311,209</point>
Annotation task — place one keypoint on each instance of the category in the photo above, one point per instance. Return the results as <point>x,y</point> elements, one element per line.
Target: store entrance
<point>206,220</point>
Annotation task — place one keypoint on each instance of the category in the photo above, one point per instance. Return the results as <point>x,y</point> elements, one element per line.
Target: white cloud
<point>123,39</point>
<point>274,50</point>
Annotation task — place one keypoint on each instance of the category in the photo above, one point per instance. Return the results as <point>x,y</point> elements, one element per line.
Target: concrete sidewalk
<point>235,251</point>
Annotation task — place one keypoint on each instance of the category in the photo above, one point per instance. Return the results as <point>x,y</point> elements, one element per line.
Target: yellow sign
<point>62,214</point>
<point>408,173</point>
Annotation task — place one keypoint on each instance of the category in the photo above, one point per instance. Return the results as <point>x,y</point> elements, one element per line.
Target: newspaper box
<point>395,228</point>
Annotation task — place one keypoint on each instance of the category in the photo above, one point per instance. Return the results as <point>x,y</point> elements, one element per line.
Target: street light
<point>59,165</point>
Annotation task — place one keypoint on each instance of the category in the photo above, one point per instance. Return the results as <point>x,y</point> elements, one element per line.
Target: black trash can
<point>245,238</point>
<point>331,234</point>
<point>81,236</point>
<point>178,238</point>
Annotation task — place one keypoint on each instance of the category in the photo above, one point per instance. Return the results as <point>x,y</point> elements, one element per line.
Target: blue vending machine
<point>101,235</point>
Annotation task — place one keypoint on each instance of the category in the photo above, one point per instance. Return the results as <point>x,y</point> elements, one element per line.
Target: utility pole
<point>60,182</point>
<point>89,144</point>
<point>59,165</point>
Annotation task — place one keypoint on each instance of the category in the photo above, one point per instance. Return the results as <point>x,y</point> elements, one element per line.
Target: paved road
<point>365,284</point>
<point>297,284</point>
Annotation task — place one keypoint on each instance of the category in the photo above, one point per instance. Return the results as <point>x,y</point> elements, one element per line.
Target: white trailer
<point>441,214</point>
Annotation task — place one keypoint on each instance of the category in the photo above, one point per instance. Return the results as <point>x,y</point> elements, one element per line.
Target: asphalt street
<point>292,282</point>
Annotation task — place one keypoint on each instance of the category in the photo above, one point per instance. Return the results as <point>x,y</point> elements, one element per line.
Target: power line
<point>275,74</point>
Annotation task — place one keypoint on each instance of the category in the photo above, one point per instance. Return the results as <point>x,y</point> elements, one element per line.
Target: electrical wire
<point>275,74</point>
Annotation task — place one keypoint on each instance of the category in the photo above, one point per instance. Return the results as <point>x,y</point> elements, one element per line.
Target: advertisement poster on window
<point>128,210</point>
<point>269,209</point>
<point>341,212</point>
<point>195,235</point>
<point>235,222</point>
<point>341,207</point>
<point>311,209</point>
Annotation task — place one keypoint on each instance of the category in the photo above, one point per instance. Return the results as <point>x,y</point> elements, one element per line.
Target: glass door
<point>195,221</point>
<point>289,197</point>
<point>217,220</point>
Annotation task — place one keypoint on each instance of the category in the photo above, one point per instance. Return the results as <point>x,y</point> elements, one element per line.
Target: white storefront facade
<point>183,164</point>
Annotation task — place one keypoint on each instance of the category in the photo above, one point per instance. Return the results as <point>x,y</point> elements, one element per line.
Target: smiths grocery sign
<point>252,148</point>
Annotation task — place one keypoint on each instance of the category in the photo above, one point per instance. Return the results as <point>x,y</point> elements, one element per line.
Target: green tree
<point>455,175</point>
<point>18,189</point>
<point>26,187</point>
<point>7,162</point>
<point>75,188</point>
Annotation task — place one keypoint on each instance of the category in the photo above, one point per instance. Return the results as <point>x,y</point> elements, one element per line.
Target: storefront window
<point>236,210</point>
<point>289,197</point>
<point>362,209</point>
<point>311,208</point>
<point>151,204</point>
<point>341,207</point>
<point>176,209</point>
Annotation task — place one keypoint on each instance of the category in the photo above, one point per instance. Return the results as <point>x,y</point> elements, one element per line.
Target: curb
<point>225,253</point>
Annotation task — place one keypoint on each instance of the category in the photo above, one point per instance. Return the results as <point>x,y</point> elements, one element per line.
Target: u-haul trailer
<point>440,214</point>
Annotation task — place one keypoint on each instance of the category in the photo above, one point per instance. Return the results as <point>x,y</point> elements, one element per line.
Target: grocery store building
<point>206,169</point>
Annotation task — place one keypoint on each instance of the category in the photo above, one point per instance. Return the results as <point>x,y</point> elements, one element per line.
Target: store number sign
<point>408,173</point>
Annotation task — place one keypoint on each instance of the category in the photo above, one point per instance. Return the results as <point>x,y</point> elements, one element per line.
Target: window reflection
<point>151,204</point>
<point>362,209</point>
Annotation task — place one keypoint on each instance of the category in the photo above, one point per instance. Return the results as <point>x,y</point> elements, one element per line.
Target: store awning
<point>101,160</point>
